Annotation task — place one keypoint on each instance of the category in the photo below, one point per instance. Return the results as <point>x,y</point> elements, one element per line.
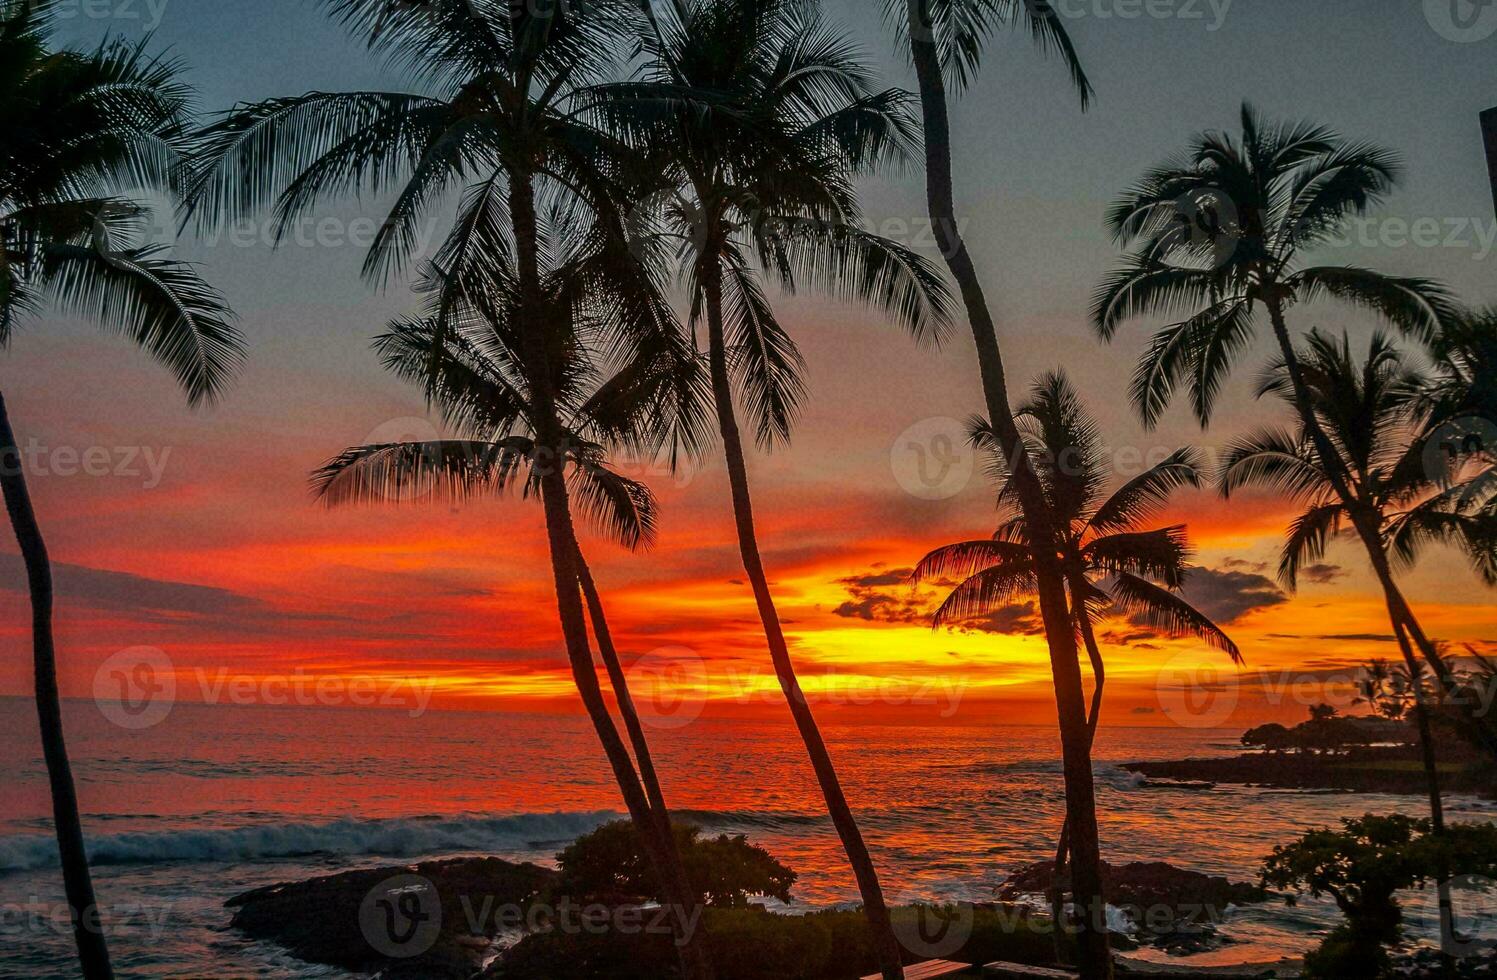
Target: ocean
<point>215,800</point>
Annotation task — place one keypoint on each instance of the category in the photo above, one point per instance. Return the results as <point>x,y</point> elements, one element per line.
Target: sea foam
<point>393,837</point>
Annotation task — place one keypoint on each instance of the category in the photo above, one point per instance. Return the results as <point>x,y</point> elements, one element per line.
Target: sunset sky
<point>193,532</point>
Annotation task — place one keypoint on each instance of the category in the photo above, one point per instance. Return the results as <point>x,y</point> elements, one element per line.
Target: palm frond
<point>1143,495</point>
<point>768,365</point>
<point>618,507</point>
<point>1160,554</point>
<point>161,305</point>
<point>453,470</point>
<point>1273,459</point>
<point>1169,612</point>
<point>1419,308</point>
<point>966,558</point>
<point>985,592</point>
<point>1306,540</point>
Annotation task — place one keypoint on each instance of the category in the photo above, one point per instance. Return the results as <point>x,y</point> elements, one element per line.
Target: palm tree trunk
<point>659,848</point>
<point>877,913</point>
<point>1366,525</point>
<point>1099,681</point>
<point>1065,667</point>
<point>1436,806</point>
<point>610,657</point>
<point>83,908</point>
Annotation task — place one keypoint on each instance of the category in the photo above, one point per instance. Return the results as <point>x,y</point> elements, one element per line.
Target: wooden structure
<point>928,970</point>
<point>1018,971</point>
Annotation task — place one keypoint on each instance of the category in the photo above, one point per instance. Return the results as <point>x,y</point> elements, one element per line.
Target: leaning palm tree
<point>762,115</point>
<point>501,85</point>
<point>946,40</point>
<point>1113,564</point>
<point>1369,413</point>
<point>1222,236</point>
<point>463,350</point>
<point>80,127</point>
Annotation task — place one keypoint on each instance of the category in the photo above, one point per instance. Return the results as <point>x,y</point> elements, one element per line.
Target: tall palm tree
<point>80,126</point>
<point>762,115</point>
<point>1223,236</point>
<point>1369,412</point>
<point>498,116</point>
<point>946,40</point>
<point>1112,563</point>
<point>464,350</point>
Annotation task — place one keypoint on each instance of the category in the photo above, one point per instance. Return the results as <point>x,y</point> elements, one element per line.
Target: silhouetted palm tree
<point>946,40</point>
<point>464,350</point>
<point>1369,413</point>
<point>1112,564</point>
<point>501,107</point>
<point>1223,235</point>
<point>80,126</point>
<point>762,115</point>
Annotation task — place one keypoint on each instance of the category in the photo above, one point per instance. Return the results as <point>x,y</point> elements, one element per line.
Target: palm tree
<point>1369,413</point>
<point>1112,564</point>
<point>1223,235</point>
<point>81,125</point>
<point>505,84</point>
<point>463,350</point>
<point>762,115</point>
<point>946,40</point>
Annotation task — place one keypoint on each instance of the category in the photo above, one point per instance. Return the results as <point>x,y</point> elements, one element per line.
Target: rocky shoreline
<point>1392,769</point>
<point>436,919</point>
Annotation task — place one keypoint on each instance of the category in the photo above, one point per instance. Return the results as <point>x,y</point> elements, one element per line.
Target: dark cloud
<point>1226,595</point>
<point>875,579</point>
<point>141,595</point>
<point>1144,711</point>
<point>885,595</point>
<point>883,608</point>
<point>1322,573</point>
<point>1242,564</point>
<point>1132,637</point>
<point>1018,618</point>
<point>1370,637</point>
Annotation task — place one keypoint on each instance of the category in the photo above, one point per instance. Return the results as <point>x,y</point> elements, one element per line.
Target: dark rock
<point>1173,908</point>
<point>1383,769</point>
<point>428,920</point>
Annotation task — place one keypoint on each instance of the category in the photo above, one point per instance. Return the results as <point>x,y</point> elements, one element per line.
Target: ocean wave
<point>404,837</point>
<point>393,837</point>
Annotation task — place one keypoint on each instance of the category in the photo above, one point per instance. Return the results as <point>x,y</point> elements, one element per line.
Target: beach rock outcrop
<point>1172,908</point>
<point>435,919</point>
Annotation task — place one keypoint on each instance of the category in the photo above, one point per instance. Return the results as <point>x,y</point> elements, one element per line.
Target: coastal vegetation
<point>1363,866</point>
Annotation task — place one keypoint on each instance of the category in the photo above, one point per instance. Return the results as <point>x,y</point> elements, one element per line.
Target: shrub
<point>754,944</point>
<point>1361,867</point>
<point>725,872</point>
